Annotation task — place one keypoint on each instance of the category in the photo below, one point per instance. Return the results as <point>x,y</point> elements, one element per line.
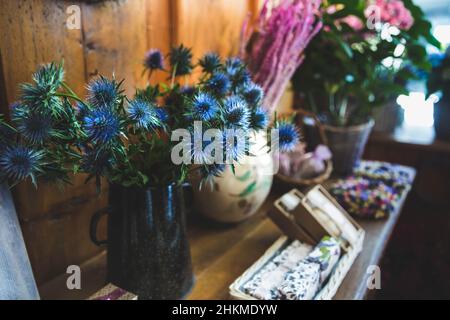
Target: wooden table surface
<point>221,253</point>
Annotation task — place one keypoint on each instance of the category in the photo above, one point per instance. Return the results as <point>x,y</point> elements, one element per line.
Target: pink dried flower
<point>275,49</point>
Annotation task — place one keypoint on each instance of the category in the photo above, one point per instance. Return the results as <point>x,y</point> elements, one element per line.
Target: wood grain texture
<point>209,25</point>
<point>115,38</point>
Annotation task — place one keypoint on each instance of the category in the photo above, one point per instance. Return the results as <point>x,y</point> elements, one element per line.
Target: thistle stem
<point>71,96</point>
<point>174,72</point>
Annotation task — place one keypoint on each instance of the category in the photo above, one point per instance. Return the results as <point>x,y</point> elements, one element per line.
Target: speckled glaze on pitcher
<point>148,251</point>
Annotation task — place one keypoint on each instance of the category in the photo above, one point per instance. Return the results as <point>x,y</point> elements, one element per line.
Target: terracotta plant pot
<point>236,197</point>
<point>346,143</point>
<point>148,251</point>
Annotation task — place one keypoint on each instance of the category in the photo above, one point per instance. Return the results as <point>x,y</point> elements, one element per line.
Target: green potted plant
<point>439,83</point>
<point>361,59</point>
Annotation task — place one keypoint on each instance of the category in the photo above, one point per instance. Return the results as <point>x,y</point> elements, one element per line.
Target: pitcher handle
<point>94,224</point>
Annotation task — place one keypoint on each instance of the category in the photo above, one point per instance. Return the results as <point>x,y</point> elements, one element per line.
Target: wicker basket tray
<point>304,182</point>
<point>328,290</point>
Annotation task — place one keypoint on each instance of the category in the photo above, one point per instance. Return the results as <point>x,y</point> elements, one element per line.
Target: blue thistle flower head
<point>180,59</point>
<point>233,65</point>
<point>259,119</point>
<point>210,62</point>
<point>203,107</point>
<point>143,114</point>
<point>209,172</point>
<point>219,84</point>
<point>41,95</point>
<point>252,93</point>
<point>19,162</point>
<point>187,90</point>
<point>154,60</point>
<point>81,110</point>
<point>102,125</point>
<point>162,115</point>
<point>288,136</point>
<point>236,145</point>
<point>102,92</point>
<point>237,114</point>
<point>96,162</point>
<point>35,127</point>
<point>237,72</point>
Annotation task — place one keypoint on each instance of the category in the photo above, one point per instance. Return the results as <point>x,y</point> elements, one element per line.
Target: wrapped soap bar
<point>264,283</point>
<point>301,283</point>
<point>326,254</point>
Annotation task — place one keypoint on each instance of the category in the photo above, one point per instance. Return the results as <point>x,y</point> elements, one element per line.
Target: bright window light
<point>442,33</point>
<point>418,111</point>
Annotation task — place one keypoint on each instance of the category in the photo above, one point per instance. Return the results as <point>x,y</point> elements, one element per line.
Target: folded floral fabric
<point>326,254</point>
<point>374,190</point>
<point>305,279</point>
<point>263,285</point>
<point>301,283</point>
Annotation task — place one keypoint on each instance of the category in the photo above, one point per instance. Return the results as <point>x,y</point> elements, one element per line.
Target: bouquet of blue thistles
<point>53,133</point>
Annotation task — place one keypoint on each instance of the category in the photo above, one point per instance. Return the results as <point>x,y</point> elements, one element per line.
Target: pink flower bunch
<point>392,12</point>
<point>275,49</point>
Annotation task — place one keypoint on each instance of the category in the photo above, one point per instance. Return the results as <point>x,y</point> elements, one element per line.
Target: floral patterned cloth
<point>374,190</point>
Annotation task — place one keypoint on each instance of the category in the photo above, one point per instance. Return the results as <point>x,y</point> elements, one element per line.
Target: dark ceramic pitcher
<point>148,251</point>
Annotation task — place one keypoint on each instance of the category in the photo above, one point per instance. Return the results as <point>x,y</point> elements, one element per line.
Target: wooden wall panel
<point>113,38</point>
<point>210,25</point>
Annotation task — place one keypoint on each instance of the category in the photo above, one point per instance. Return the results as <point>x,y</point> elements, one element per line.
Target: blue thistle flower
<point>187,90</point>
<point>252,93</point>
<point>180,59</point>
<point>102,125</point>
<point>35,127</point>
<point>143,114</point>
<point>154,60</point>
<point>237,72</point>
<point>219,84</point>
<point>236,113</point>
<point>96,163</point>
<point>19,162</point>
<point>236,145</point>
<point>102,92</point>
<point>204,107</point>
<point>210,62</point>
<point>162,115</point>
<point>233,65</point>
<point>209,172</point>
<point>41,95</point>
<point>288,136</point>
<point>81,110</point>
<point>259,119</point>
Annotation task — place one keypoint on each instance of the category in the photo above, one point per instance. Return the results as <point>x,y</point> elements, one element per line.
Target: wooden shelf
<point>221,253</point>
